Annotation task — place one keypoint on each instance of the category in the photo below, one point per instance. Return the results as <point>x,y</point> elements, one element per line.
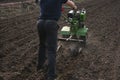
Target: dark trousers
<point>47,30</point>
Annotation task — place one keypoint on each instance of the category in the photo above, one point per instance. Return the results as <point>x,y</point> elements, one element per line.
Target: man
<point>50,12</point>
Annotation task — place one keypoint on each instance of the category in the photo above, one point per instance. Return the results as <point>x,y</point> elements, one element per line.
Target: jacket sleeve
<point>64,1</point>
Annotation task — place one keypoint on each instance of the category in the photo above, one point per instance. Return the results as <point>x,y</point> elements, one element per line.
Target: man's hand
<point>71,4</point>
<point>75,7</point>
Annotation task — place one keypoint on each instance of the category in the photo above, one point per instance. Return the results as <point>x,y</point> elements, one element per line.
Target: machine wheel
<point>74,49</point>
<point>73,52</point>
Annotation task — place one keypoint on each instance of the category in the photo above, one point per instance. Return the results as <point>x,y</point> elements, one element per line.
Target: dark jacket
<point>51,9</point>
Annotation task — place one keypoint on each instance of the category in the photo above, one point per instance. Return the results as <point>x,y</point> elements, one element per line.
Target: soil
<point>100,59</point>
<point>7,1</point>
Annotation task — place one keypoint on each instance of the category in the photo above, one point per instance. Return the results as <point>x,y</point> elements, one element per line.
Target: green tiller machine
<point>76,32</point>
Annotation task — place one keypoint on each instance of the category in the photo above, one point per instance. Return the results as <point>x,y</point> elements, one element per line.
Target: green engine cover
<point>77,26</point>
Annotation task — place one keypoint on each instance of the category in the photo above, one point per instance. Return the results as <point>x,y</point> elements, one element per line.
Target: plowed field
<point>100,60</point>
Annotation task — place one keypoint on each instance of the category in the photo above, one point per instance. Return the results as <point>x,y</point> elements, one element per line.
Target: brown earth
<point>100,60</point>
<point>7,1</point>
